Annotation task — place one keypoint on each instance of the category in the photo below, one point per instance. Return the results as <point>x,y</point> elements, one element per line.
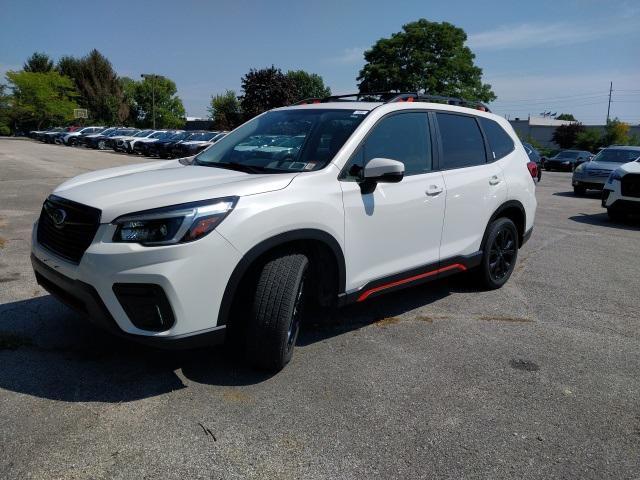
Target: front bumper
<point>613,199</point>
<point>584,179</point>
<point>193,277</point>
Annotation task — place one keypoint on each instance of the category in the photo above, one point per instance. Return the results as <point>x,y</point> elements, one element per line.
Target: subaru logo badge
<point>58,216</point>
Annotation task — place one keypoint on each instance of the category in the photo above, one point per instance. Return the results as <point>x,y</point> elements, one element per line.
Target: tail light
<point>533,169</point>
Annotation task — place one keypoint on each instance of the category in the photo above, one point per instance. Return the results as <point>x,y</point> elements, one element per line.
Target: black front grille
<point>67,228</point>
<point>631,185</point>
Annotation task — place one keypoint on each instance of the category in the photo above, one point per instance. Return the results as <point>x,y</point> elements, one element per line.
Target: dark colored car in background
<point>143,145</point>
<point>535,157</point>
<point>100,141</point>
<point>197,142</point>
<point>567,160</point>
<point>163,148</point>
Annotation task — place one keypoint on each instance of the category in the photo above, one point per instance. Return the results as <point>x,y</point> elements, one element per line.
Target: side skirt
<point>410,278</point>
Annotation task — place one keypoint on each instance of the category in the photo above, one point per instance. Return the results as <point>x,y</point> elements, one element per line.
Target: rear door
<point>397,228</point>
<point>474,182</point>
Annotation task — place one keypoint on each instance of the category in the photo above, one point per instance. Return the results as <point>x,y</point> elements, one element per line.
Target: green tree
<point>615,133</point>
<point>308,85</point>
<point>265,89</point>
<point>225,111</point>
<point>565,135</point>
<point>566,116</point>
<point>589,140</point>
<point>97,82</point>
<point>427,56</point>
<point>169,111</point>
<point>38,63</point>
<point>128,113</point>
<point>5,105</point>
<point>41,98</point>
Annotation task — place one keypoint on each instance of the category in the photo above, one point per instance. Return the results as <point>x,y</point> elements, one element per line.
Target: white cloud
<point>349,56</point>
<point>533,35</point>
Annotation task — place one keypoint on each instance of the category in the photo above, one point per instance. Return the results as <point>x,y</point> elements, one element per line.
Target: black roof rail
<point>391,97</point>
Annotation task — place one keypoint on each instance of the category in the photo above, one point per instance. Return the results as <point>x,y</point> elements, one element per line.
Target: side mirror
<point>381,170</point>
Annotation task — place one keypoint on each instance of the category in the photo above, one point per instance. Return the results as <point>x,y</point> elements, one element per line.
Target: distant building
<point>540,129</point>
<point>195,123</point>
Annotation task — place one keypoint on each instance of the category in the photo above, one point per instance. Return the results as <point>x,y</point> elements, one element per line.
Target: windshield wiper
<point>240,167</point>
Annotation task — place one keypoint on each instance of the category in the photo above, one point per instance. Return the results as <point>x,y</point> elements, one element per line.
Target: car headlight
<point>176,224</point>
<point>580,168</point>
<point>615,175</point>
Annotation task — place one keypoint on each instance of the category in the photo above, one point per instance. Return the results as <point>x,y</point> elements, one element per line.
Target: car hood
<point>631,167</point>
<point>121,190</point>
<point>592,165</point>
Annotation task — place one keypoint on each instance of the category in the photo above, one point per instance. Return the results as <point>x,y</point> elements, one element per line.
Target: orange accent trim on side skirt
<point>371,291</point>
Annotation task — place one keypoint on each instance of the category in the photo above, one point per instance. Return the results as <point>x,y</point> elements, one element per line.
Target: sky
<point>556,56</point>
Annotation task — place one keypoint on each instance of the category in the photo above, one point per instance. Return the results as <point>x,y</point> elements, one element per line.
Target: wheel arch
<point>305,239</point>
<point>513,210</point>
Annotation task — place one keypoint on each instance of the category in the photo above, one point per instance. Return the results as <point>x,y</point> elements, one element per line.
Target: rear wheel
<point>500,253</point>
<point>101,145</point>
<point>278,303</point>
<point>615,215</point>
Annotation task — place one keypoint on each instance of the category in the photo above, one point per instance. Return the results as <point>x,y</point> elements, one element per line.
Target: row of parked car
<point>149,142</point>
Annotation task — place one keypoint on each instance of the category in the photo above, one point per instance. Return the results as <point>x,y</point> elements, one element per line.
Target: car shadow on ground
<point>602,220</point>
<point>587,194</point>
<point>48,351</point>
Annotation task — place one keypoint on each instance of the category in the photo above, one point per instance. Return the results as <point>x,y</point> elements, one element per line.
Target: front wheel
<point>579,190</point>
<point>615,215</point>
<point>500,253</point>
<point>276,311</point>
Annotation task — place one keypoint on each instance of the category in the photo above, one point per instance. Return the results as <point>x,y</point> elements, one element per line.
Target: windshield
<point>568,154</point>
<point>143,133</point>
<point>202,136</point>
<point>284,141</point>
<point>617,155</point>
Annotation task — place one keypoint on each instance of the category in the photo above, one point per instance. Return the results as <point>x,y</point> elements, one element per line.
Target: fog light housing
<point>146,305</point>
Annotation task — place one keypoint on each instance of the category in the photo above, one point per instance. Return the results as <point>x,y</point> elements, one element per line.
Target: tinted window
<point>403,137</point>
<point>462,142</point>
<point>499,140</point>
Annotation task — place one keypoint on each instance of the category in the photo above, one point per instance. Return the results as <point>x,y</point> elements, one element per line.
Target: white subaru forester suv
<point>368,197</point>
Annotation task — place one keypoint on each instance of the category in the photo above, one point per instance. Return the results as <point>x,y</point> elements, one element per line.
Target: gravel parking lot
<point>537,380</point>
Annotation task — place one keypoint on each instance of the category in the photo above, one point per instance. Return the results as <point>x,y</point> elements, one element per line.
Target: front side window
<point>281,141</point>
<point>500,142</point>
<point>403,137</point>
<point>617,155</point>
<point>462,142</point>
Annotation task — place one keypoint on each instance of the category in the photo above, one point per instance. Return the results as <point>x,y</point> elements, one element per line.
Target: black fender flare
<point>264,246</point>
<point>497,213</point>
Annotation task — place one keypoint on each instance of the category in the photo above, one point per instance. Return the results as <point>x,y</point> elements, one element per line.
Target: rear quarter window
<point>461,140</point>
<point>500,142</point>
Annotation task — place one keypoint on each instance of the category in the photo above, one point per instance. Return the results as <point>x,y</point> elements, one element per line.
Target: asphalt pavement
<point>537,380</point>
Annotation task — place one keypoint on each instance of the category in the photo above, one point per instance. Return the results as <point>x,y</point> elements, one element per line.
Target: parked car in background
<point>567,160</point>
<point>71,138</point>
<point>123,143</point>
<point>534,156</point>
<point>111,141</point>
<point>196,142</point>
<point>621,193</point>
<point>56,137</point>
<point>38,134</point>
<point>163,147</point>
<point>142,146</point>
<point>84,140</point>
<point>47,135</point>
<point>100,141</point>
<point>594,174</point>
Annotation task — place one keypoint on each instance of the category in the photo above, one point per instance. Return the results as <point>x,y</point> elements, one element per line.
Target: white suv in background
<point>621,192</point>
<point>371,197</point>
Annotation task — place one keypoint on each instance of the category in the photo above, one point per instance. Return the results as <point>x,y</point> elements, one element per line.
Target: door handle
<point>494,180</point>
<point>433,190</point>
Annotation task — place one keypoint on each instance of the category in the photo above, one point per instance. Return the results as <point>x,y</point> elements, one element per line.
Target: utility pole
<point>609,107</point>
<point>153,96</point>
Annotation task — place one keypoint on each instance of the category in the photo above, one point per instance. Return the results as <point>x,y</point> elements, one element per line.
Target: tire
<point>615,215</point>
<point>274,320</point>
<point>579,191</point>
<point>500,254</point>
<point>101,145</point>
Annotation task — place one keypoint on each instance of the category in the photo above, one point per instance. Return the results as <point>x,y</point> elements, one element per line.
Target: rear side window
<point>500,142</point>
<point>462,142</point>
<point>403,137</point>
